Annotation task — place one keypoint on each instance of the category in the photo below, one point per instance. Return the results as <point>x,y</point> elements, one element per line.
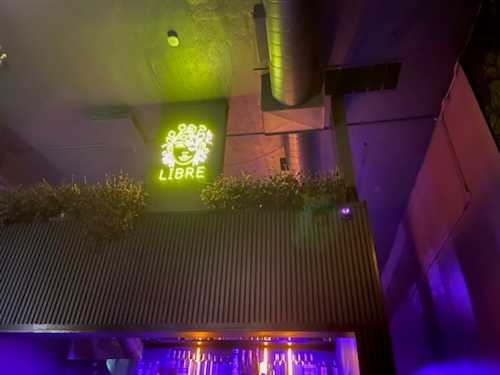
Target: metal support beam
<point>342,145</point>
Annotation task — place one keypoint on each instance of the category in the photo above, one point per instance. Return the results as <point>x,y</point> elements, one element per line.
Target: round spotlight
<point>173,38</point>
<point>345,213</point>
<point>3,57</point>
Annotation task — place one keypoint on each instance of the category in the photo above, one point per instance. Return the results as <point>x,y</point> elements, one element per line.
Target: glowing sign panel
<point>185,153</point>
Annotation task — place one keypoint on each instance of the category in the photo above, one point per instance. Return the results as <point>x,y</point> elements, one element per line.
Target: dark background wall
<point>442,280</point>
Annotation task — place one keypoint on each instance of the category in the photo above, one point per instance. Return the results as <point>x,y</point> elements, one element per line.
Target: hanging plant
<point>42,202</point>
<point>283,190</point>
<point>110,209</point>
<point>104,210</point>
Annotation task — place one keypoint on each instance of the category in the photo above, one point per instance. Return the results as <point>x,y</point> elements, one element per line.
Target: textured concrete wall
<point>442,280</point>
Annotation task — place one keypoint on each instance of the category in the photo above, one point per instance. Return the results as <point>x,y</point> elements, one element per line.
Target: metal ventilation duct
<point>259,18</point>
<point>290,50</point>
<point>302,152</point>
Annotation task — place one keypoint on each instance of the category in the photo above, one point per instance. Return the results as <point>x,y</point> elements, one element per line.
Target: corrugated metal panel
<point>258,269</point>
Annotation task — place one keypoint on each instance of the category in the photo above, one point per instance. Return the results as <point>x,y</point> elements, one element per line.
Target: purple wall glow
<point>442,279</point>
<point>29,355</point>
<point>40,354</point>
<point>460,368</point>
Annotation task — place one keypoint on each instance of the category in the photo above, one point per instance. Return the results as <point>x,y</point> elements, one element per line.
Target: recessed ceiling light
<point>3,56</point>
<point>173,38</point>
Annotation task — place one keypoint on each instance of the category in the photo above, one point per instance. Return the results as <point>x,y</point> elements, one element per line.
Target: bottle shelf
<point>240,359</point>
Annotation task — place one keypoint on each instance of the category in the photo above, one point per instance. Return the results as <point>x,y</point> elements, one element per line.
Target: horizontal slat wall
<point>283,269</point>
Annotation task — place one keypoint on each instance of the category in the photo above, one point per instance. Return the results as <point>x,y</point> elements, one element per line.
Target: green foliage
<point>283,190</point>
<point>42,201</point>
<point>110,209</point>
<point>492,76</point>
<point>4,207</point>
<point>105,210</point>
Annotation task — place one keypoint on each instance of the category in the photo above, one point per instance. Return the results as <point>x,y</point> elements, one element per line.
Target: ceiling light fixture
<point>173,38</point>
<point>3,57</point>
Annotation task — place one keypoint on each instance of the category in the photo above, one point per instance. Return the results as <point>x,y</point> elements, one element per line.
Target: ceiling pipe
<point>289,40</point>
<point>302,152</point>
<point>291,68</point>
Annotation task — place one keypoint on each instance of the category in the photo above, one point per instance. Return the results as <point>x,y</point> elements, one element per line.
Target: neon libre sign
<point>185,153</point>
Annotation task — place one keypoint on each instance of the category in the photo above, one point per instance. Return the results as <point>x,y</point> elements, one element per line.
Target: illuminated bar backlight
<point>289,361</point>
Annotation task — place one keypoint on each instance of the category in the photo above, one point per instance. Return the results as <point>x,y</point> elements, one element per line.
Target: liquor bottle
<point>253,366</point>
<point>297,365</point>
<point>167,367</point>
<point>323,370</point>
<point>235,366</point>
<point>243,363</point>
<point>215,366</point>
<point>276,366</point>
<point>203,364</point>
<point>184,363</point>
<point>193,364</point>
<point>335,370</point>
<point>309,365</point>
<point>257,362</point>
<point>171,358</point>
<point>210,364</point>
<point>284,364</point>
<point>225,365</point>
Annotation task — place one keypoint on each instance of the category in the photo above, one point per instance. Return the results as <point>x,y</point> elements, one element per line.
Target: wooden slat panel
<point>267,269</point>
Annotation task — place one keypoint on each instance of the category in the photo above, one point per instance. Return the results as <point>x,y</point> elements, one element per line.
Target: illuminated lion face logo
<point>188,146</point>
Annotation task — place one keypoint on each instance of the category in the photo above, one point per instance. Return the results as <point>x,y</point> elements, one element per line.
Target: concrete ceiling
<point>116,51</point>
<point>67,54</point>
